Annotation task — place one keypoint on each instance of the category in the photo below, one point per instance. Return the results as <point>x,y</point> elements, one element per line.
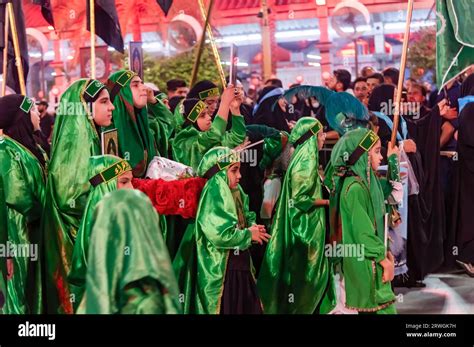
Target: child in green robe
<point>213,264</point>
<point>359,197</point>
<point>117,174</point>
<point>295,276</point>
<point>199,133</point>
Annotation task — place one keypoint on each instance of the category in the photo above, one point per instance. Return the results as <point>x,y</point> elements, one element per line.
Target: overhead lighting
<point>53,73</point>
<point>313,56</point>
<point>401,25</point>
<point>240,38</point>
<point>296,33</point>
<point>50,27</point>
<point>314,64</point>
<point>110,49</point>
<point>70,57</point>
<point>320,2</point>
<point>238,64</point>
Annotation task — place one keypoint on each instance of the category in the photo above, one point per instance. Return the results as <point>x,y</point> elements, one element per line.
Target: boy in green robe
<point>107,173</point>
<point>22,181</point>
<point>84,108</point>
<point>198,133</point>
<point>133,101</point>
<point>359,197</point>
<point>213,263</point>
<point>295,276</point>
<point>128,267</point>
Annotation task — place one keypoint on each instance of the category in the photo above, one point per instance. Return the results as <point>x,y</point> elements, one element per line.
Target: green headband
<point>208,93</point>
<point>196,111</point>
<point>93,88</point>
<point>161,96</point>
<point>369,140</point>
<point>26,104</point>
<point>311,132</point>
<point>111,173</point>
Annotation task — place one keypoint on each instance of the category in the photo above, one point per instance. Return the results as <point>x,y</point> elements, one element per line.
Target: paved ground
<point>444,294</point>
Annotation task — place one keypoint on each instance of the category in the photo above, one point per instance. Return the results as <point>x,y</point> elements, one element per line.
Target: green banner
<point>454,39</point>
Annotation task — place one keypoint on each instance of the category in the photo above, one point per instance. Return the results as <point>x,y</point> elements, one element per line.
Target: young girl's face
<point>204,121</point>
<point>375,156</point>
<point>125,180</point>
<point>321,139</point>
<point>233,175</point>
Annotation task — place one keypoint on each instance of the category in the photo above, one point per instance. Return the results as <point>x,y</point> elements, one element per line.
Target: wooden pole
<point>215,51</point>
<point>5,55</point>
<point>16,47</point>
<point>401,76</point>
<point>201,46</point>
<point>266,43</point>
<point>92,30</point>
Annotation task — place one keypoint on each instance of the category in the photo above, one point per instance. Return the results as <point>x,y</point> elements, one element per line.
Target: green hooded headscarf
<point>190,144</point>
<point>75,140</point>
<point>358,206</point>
<point>128,267</point>
<point>21,205</point>
<point>111,167</point>
<point>136,143</point>
<point>295,264</point>
<point>201,261</point>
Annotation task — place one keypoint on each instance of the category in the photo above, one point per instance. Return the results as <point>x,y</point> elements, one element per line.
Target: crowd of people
<point>273,232</point>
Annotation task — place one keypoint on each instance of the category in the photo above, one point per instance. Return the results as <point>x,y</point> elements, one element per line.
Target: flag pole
<point>5,55</point>
<point>201,45</point>
<point>213,45</point>
<point>401,76</point>
<point>16,47</point>
<point>92,30</point>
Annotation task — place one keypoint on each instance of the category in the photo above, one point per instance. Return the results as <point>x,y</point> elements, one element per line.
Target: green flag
<point>454,39</point>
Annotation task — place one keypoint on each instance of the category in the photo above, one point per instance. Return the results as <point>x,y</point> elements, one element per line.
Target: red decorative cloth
<point>179,197</point>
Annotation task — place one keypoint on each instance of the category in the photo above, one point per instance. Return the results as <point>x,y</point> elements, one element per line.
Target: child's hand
<point>259,234</point>
<point>228,95</point>
<point>394,150</point>
<point>388,270</point>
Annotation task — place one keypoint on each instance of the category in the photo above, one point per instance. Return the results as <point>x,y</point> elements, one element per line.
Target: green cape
<point>21,204</point>
<point>136,143</point>
<point>295,276</point>
<point>162,126</point>
<point>77,275</point>
<point>190,144</point>
<point>361,210</point>
<point>129,270</point>
<point>200,263</point>
<point>75,140</point>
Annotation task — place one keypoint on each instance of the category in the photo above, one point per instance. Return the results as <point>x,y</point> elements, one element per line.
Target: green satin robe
<point>190,144</point>
<point>295,275</point>
<point>361,211</point>
<point>365,290</point>
<point>135,140</point>
<point>162,126</point>
<point>22,182</point>
<point>129,270</point>
<point>77,275</point>
<point>75,140</point>
<point>200,264</point>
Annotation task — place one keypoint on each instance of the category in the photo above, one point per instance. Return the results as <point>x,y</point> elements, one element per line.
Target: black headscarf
<point>381,95</point>
<point>17,124</point>
<point>467,87</point>
<point>199,87</point>
<point>269,113</point>
<point>174,101</point>
<point>188,105</point>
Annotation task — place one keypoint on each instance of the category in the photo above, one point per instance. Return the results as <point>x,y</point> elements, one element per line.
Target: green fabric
<point>272,148</point>
<point>190,144</point>
<point>77,275</point>
<point>202,257</point>
<point>21,204</point>
<point>295,273</point>
<point>136,143</point>
<point>362,210</point>
<point>454,40</point>
<point>129,270</point>
<point>162,126</point>
<point>75,140</point>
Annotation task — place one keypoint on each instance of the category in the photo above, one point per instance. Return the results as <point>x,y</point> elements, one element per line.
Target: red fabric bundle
<point>179,197</point>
